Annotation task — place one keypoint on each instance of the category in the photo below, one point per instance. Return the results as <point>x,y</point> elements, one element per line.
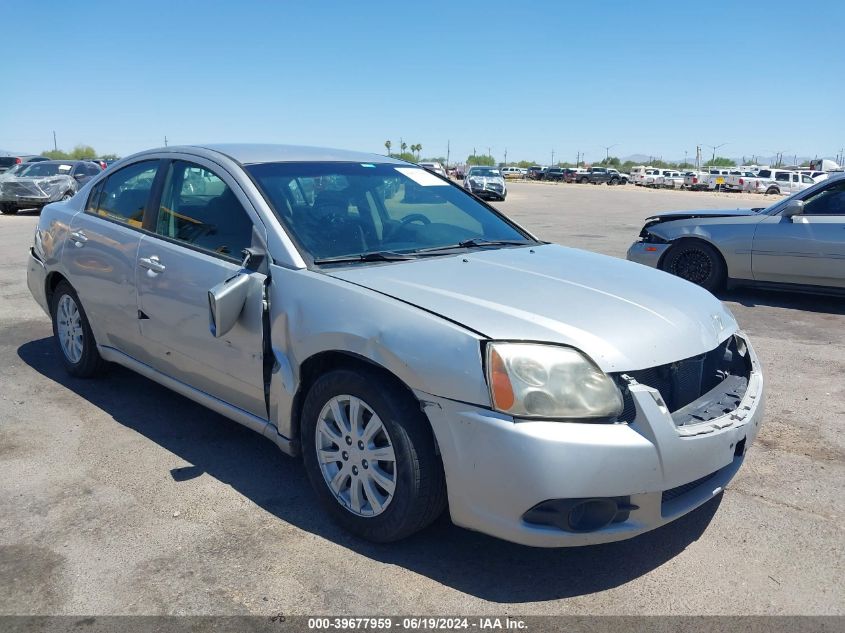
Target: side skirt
<point>225,409</point>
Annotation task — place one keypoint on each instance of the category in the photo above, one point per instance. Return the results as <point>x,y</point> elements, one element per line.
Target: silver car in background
<point>797,243</point>
<point>415,347</point>
<point>486,182</point>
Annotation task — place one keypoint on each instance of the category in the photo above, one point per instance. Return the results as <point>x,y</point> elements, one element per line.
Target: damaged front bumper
<point>647,253</point>
<point>500,471</point>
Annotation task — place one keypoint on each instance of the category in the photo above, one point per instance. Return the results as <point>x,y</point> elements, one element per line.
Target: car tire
<point>613,182</point>
<point>772,191</point>
<point>67,196</point>
<point>380,501</point>
<point>8,209</point>
<point>72,333</point>
<point>697,262</point>
<point>584,180</point>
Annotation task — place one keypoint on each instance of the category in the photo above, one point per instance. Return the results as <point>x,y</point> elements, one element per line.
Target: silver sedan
<point>414,346</point>
<point>797,243</point>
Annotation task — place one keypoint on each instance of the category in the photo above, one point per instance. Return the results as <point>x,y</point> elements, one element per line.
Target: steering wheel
<point>413,217</point>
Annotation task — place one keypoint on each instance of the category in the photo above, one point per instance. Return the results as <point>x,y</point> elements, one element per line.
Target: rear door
<point>100,255</point>
<point>203,223</point>
<point>805,249</point>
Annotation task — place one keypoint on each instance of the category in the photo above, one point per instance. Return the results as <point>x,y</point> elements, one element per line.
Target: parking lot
<point>122,497</point>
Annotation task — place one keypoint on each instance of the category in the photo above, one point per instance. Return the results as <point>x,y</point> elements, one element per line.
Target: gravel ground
<point>120,497</point>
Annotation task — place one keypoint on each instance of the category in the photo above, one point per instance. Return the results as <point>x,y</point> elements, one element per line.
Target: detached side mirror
<point>793,208</point>
<point>226,302</point>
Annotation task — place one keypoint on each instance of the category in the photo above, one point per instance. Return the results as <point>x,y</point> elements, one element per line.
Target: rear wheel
<point>369,455</point>
<point>72,333</point>
<point>584,180</point>
<point>772,191</point>
<point>696,262</point>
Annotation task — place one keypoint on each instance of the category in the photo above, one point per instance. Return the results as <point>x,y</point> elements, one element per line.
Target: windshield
<point>340,209</point>
<point>41,170</point>
<point>486,172</point>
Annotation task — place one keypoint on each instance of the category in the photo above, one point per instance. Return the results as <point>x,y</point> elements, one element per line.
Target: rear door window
<point>123,196</point>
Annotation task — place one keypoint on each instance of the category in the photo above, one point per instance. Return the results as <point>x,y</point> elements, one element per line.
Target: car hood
<point>623,315</point>
<point>701,213</point>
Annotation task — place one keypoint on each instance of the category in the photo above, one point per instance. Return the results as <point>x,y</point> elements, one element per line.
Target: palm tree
<point>403,146</point>
<point>419,149</point>
<point>388,145</point>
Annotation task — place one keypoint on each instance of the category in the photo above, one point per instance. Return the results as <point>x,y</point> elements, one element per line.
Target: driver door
<point>201,227</point>
<point>807,248</point>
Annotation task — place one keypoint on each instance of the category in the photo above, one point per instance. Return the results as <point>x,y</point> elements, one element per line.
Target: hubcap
<point>69,328</point>
<point>693,265</point>
<point>356,456</point>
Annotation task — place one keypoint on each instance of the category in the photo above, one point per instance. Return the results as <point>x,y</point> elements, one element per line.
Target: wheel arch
<point>686,239</point>
<point>52,280</point>
<point>323,362</point>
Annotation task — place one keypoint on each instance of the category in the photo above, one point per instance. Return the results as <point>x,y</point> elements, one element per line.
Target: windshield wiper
<point>473,243</point>
<point>377,256</point>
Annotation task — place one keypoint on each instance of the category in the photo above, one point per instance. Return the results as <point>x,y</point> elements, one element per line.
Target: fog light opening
<point>591,515</point>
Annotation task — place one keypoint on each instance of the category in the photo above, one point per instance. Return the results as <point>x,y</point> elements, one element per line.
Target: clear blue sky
<point>654,78</point>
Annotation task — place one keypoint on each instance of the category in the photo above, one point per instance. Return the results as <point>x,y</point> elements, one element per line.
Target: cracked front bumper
<point>497,468</point>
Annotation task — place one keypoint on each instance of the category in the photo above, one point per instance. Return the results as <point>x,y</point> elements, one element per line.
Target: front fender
<point>311,313</point>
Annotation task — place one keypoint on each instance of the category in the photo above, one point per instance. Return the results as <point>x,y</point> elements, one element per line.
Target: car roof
<point>254,153</point>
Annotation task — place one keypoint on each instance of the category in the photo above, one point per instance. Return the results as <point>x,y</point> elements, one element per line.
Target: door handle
<point>151,263</point>
<point>78,238</point>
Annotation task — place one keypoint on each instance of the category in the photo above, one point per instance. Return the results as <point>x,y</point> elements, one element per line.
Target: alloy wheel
<point>356,456</point>
<point>69,328</point>
<point>693,265</point>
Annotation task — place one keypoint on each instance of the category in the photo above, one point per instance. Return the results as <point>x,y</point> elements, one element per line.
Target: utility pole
<point>447,154</point>
<point>165,140</point>
<point>553,157</point>
<point>685,158</point>
<point>607,149</point>
<point>714,148</point>
<point>578,158</point>
<point>506,157</point>
<point>55,146</point>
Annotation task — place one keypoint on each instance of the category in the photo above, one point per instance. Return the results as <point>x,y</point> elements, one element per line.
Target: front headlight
<point>547,381</point>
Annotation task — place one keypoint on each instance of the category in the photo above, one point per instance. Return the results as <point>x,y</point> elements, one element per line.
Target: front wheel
<point>584,180</point>
<point>8,209</point>
<point>369,455</point>
<point>772,191</point>
<point>696,262</point>
<point>72,333</point>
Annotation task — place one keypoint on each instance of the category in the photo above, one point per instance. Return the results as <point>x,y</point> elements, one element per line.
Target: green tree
<point>611,161</point>
<point>403,147</point>
<point>481,159</point>
<point>406,156</point>
<point>56,154</point>
<point>720,161</point>
<point>83,152</point>
<point>387,146</point>
<point>436,159</point>
<point>110,157</point>
<point>525,164</point>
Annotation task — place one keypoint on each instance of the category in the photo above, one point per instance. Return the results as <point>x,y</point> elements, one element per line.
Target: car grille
<point>493,186</point>
<point>674,493</point>
<point>721,374</point>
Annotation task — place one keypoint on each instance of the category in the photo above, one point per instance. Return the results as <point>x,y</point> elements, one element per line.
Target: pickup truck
<point>671,179</point>
<point>598,175</point>
<point>735,181</point>
<point>777,181</point>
